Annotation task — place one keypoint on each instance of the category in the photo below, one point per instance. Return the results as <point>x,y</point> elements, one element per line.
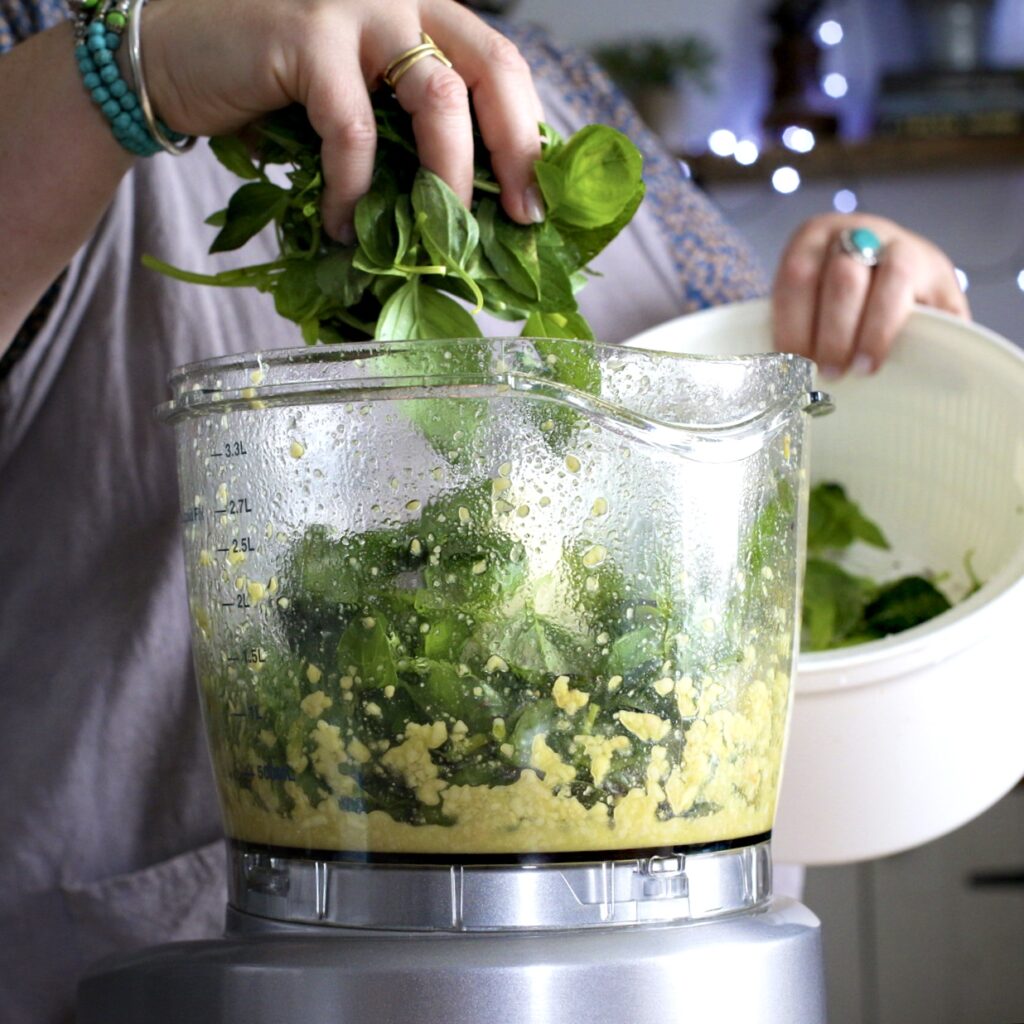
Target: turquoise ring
<point>862,244</point>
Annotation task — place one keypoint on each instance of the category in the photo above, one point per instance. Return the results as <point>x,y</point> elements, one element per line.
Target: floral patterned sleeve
<point>20,19</point>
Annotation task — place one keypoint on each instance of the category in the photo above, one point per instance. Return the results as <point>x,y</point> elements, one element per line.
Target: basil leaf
<point>375,230</point>
<point>538,648</point>
<point>501,300</point>
<point>400,316</point>
<point>330,571</point>
<point>448,632</point>
<point>511,250</point>
<point>590,180</point>
<point>249,211</point>
<point>442,691</point>
<point>405,226</point>
<point>581,245</point>
<point>383,286</point>
<point>233,153</point>
<point>835,522</point>
<point>287,136</point>
<point>338,278</point>
<point>566,363</point>
<point>416,312</point>
<point>601,594</point>
<point>834,603</point>
<point>904,603</point>
<point>296,291</point>
<point>633,651</point>
<point>840,609</point>
<point>310,330</point>
<point>449,230</point>
<point>478,584</point>
<point>365,646</point>
<point>572,365</point>
<point>550,139</point>
<point>557,292</point>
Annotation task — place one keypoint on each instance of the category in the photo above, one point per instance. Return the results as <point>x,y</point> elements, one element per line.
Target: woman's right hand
<point>214,66</point>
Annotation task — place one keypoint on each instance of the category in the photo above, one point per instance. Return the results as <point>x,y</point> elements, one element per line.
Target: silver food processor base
<point>634,944</point>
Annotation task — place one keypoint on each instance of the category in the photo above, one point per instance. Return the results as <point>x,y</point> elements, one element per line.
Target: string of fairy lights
<point>786,180</point>
<point>724,143</point>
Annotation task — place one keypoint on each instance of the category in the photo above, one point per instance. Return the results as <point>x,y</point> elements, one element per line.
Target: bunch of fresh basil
<point>418,248</point>
<point>841,609</point>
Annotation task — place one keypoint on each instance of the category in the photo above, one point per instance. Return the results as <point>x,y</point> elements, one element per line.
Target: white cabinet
<point>932,936</point>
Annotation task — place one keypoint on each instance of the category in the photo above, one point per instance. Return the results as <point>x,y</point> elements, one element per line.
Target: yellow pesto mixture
<point>704,772</point>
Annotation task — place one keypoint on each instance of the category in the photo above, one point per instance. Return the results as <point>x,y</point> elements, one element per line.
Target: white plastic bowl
<point>896,742</point>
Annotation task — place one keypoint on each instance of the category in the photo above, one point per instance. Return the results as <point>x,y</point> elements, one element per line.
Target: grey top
<point>109,829</point>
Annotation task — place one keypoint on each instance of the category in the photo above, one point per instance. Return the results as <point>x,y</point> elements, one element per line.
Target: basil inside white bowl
<point>898,740</point>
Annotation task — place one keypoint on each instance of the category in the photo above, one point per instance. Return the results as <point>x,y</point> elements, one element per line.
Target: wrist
<point>165,138</point>
<point>153,33</point>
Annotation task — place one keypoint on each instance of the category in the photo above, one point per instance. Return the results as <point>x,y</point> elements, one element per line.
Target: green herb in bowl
<point>841,609</point>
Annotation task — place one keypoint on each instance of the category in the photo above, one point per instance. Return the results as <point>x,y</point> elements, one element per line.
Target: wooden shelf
<point>874,157</point>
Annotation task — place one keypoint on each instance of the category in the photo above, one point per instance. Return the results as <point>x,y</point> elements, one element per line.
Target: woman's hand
<point>844,315</point>
<point>214,66</point>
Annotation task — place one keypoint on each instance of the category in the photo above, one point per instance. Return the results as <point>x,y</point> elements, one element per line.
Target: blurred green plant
<point>639,64</point>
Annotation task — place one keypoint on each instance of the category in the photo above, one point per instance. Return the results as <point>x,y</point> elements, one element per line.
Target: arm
<point>59,168</point>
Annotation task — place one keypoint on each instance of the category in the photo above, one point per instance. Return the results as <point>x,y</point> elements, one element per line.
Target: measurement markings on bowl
<point>236,507</point>
<point>240,546</point>
<point>230,450</point>
<point>254,656</point>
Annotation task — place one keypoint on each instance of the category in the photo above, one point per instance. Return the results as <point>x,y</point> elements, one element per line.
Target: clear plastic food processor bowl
<point>493,598</point>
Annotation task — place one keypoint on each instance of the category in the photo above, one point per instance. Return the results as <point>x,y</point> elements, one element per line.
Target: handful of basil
<point>418,248</point>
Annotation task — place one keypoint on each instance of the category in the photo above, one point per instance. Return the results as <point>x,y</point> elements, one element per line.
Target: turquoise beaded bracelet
<point>109,91</point>
<point>98,31</point>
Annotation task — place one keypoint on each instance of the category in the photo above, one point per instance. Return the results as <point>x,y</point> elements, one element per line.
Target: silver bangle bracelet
<point>171,142</point>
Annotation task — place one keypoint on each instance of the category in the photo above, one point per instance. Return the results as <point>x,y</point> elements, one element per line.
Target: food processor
<point>494,641</point>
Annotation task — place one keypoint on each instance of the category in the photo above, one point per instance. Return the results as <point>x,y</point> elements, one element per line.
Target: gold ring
<point>404,61</point>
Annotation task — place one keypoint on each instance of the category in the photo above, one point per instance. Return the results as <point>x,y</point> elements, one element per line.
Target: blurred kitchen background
<point>913,109</point>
